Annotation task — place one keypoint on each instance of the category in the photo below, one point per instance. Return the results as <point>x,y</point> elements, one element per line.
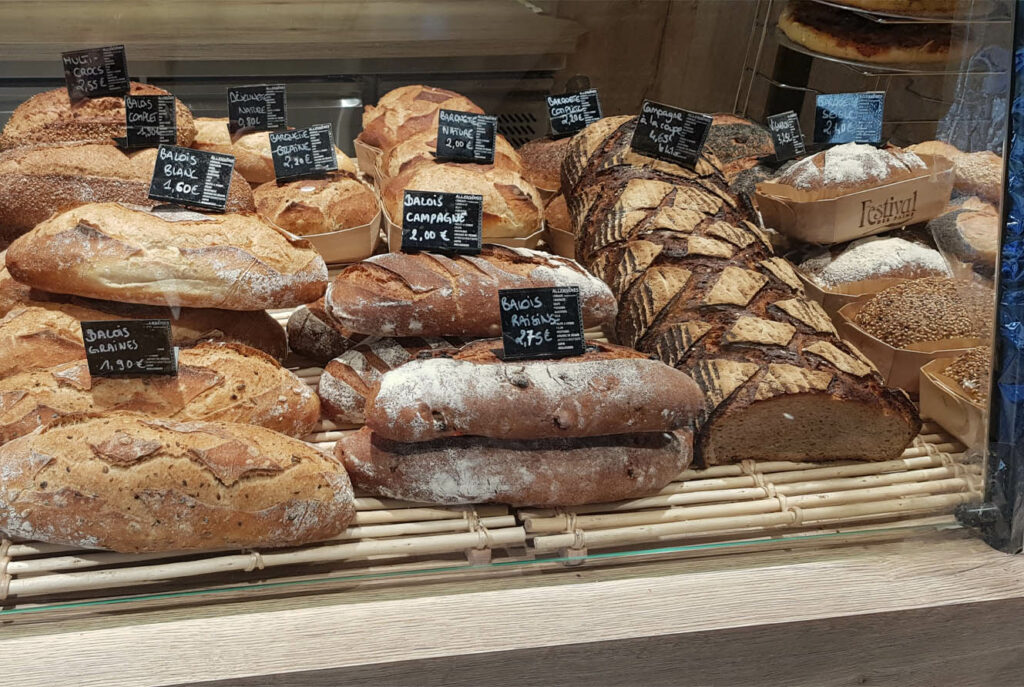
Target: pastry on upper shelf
<point>317,206</point>
<point>876,257</point>
<point>847,35</point>
<point>542,161</point>
<point>409,110</point>
<point>919,8</point>
<point>422,147</point>
<point>850,168</point>
<point>49,117</point>
<point>977,174</point>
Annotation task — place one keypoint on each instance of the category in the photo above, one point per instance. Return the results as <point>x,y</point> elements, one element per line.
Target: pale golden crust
<point>409,110</point>
<point>317,206</point>
<point>556,214</point>
<point>421,148</point>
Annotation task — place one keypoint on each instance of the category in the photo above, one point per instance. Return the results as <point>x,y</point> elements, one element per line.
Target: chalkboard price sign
<point>303,152</point>
<point>149,121</point>
<point>670,133</point>
<point>849,117</point>
<point>442,222</point>
<point>125,348</point>
<point>786,135</point>
<point>191,177</point>
<point>257,108</point>
<point>96,72</point>
<point>465,137</point>
<point>541,322</point>
<point>573,112</point>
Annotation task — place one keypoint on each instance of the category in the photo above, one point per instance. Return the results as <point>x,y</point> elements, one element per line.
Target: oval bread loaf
<point>422,148</point>
<point>542,161</point>
<point>426,294</point>
<point>109,251</point>
<point>317,206</point>
<point>134,484</point>
<point>403,112</point>
<point>541,472</point>
<point>215,381</point>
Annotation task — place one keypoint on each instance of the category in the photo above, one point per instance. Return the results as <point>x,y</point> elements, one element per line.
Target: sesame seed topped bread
<point>423,146</point>
<point>404,112</point>
<point>49,117</point>
<point>317,206</point>
<point>105,250</point>
<point>849,168</point>
<point>134,484</point>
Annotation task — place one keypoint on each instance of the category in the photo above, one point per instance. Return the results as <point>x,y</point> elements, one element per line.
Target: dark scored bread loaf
<point>607,390</point>
<point>426,294</point>
<point>313,334</point>
<point>539,472</point>
<point>134,484</point>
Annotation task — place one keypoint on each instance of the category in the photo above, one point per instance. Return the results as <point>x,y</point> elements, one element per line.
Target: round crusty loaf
<point>317,206</point>
<point>556,214</point>
<point>109,251</point>
<point>738,143</point>
<point>49,117</point>
<point>512,205</point>
<point>542,472</point>
<point>215,381</point>
<point>542,161</point>
<point>422,147</point>
<point>969,231</point>
<point>849,168</point>
<point>976,174</point>
<point>134,484</point>
<point>251,150</point>
<point>409,110</point>
<point>36,181</point>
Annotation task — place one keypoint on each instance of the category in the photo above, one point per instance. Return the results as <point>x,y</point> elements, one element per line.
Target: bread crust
<point>423,146</point>
<point>849,168</point>
<point>134,484</point>
<point>542,161</point>
<point>317,206</point>
<point>406,111</point>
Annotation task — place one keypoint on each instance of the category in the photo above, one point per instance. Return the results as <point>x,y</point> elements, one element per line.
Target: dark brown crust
<point>313,334</point>
<point>542,161</point>
<point>738,143</point>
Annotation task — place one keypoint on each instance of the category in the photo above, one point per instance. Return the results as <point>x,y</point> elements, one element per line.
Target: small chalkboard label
<point>541,322</point>
<point>191,177</point>
<point>303,152</point>
<point>465,137</point>
<point>849,117</point>
<point>96,72</point>
<point>670,133</point>
<point>786,135</point>
<point>260,107</point>
<point>121,348</point>
<point>149,121</point>
<point>573,112</point>
<point>442,222</point>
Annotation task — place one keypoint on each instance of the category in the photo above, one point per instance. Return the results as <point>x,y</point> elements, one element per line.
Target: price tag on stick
<point>191,177</point>
<point>303,152</point>
<point>465,137</point>
<point>442,222</point>
<point>786,135</point>
<point>257,108</point>
<point>541,322</point>
<point>670,133</point>
<point>149,121</point>
<point>120,348</point>
<point>849,117</point>
<point>96,72</point>
<point>573,112</point>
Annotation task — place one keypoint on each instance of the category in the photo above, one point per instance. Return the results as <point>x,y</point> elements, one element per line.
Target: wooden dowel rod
<point>372,503</point>
<point>378,517</point>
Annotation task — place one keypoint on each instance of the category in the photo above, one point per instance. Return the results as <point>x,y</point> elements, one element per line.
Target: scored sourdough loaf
<point>37,181</point>
<point>539,472</point>
<point>215,381</point>
<point>607,390</point>
<point>312,333</point>
<point>134,484</point>
<point>423,147</point>
<point>404,112</point>
<point>349,378</point>
<point>106,250</point>
<point>317,206</point>
<point>427,294</point>
<point>49,117</point>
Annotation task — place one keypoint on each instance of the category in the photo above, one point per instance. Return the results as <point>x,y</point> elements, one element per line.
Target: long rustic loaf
<point>134,484</point>
<point>607,390</point>
<point>313,334</point>
<point>542,472</point>
<point>404,112</point>
<point>49,117</point>
<point>109,251</point>
<point>215,381</point>
<point>425,294</point>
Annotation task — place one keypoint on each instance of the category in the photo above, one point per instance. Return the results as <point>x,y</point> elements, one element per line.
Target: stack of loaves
<point>699,286</point>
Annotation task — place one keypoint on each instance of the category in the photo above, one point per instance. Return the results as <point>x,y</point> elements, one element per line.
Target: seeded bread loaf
<point>427,294</point>
<point>968,231</point>
<point>134,484</point>
<point>541,472</point>
<point>109,251</point>
<point>976,174</point>
<point>404,112</point>
<point>49,117</point>
<point>313,334</point>
<point>423,146</point>
<point>317,206</point>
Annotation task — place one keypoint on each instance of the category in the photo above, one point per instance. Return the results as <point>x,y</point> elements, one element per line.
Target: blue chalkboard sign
<point>849,117</point>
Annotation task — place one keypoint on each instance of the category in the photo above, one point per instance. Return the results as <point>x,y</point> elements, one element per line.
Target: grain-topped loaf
<point>49,117</point>
<point>134,484</point>
<point>542,161</point>
<point>215,381</point>
<point>313,334</point>
<point>738,143</point>
<point>849,168</point>
<point>422,148</point>
<point>406,111</point>
<point>110,251</point>
<point>976,174</point>
<point>968,231</point>
<point>972,372</point>
<point>607,390</point>
<point>317,206</point>
<point>427,294</point>
<point>541,472</point>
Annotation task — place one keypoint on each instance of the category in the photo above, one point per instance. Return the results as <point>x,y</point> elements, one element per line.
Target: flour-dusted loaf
<point>106,250</point>
<point>215,381</point>
<point>423,146</point>
<point>427,294</point>
<point>404,112</point>
<point>313,334</point>
<point>351,377</point>
<point>36,181</point>
<point>317,206</point>
<point>607,390</point>
<point>542,472</point>
<point>542,161</point>
<point>134,484</point>
<point>849,168</point>
<point>49,117</point>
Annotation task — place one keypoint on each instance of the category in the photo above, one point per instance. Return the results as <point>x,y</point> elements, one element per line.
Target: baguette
<point>607,390</point>
<point>425,294</point>
<point>134,484</point>
<point>109,251</point>
<point>314,335</point>
<point>215,381</point>
<point>541,472</point>
<point>404,112</point>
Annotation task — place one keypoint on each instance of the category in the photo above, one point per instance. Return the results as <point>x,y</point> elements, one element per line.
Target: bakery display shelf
<point>995,16</point>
